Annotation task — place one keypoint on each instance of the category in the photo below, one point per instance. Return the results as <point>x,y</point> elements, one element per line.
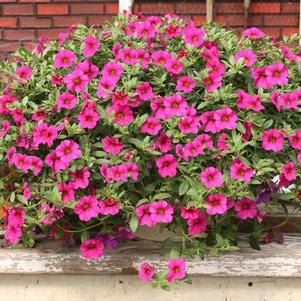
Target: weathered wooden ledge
<point>274,260</point>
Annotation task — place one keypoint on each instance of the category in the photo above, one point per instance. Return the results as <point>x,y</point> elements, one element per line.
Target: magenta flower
<point>27,194</point>
<point>144,215</point>
<point>172,31</point>
<point>24,73</point>
<point>109,206</point>
<point>146,272</point>
<point>276,74</point>
<point>22,162</point>
<point>245,208</point>
<point>193,149</point>
<point>239,171</point>
<point>105,86</point>
<point>128,56</point>
<point>260,78</point>
<point>246,101</point>
<point>247,56</point>
<point>91,45</point>
<point>88,118</point>
<point>66,101</point>
<point>289,171</point>
<point>80,178</point>
<point>92,249</point>
<point>225,118</point>
<point>161,212</point>
<point>145,91</point>
<point>253,33</point>
<point>175,105</point>
<point>36,164</point>
<point>76,81</point>
<point>167,166</point>
<point>68,150</point>
<point>5,128</point>
<point>13,233</point>
<point>209,122</point>
<point>151,126</point>
<point>176,269</point>
<point>185,84</point>
<point>16,216</point>
<point>211,177</point>
<point>273,140</point>
<point>295,140</point>
<point>64,59</point>
<point>193,36</point>
<point>67,192</point>
<point>145,30</point>
<point>117,173</point>
<point>222,142</point>
<point>161,57</point>
<point>54,161</point>
<point>174,66</point>
<point>189,125</point>
<point>163,143</point>
<point>112,71</point>
<point>86,208</point>
<point>112,145</point>
<point>190,213</point>
<point>122,115</point>
<point>131,170</point>
<point>197,226</point>
<point>217,204</point>
<point>88,69</point>
<point>212,82</point>
<point>143,58</point>
<point>120,98</point>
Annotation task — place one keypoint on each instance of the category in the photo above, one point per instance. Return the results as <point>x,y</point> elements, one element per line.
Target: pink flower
<point>88,118</point>
<point>24,73</point>
<point>211,177</point>
<point>167,166</point>
<point>260,78</point>
<point>225,118</point>
<point>289,171</point>
<point>67,192</point>
<point>185,84</point>
<point>190,213</point>
<point>5,128</point>
<point>68,150</point>
<point>109,206</point>
<point>247,56</point>
<point>299,158</point>
<point>146,272</point>
<point>273,140</point>
<point>131,170</point>
<point>112,145</point>
<point>21,162</point>
<point>277,74</point>
<point>105,86</point>
<point>87,208</point>
<point>248,133</point>
<point>163,143</point>
<point>36,164</point>
<point>112,71</point>
<point>216,68</point>
<point>64,59</point>
<point>253,33</point>
<point>120,98</point>
<point>117,173</point>
<point>193,149</point>
<point>175,105</point>
<point>91,45</point>
<point>39,115</point>
<point>193,36</point>
<point>217,204</point>
<point>245,208</point>
<point>209,122</point>
<point>212,82</point>
<point>222,142</point>
<point>295,140</point>
<point>76,81</point>
<point>172,31</point>
<point>80,178</point>
<point>189,125</point>
<point>144,215</point>
<point>88,69</point>
<point>27,194</point>
<point>145,30</point>
<point>176,269</point>
<point>246,101</point>
<point>144,91</point>
<point>161,212</point>
<point>122,115</point>
<point>197,226</point>
<point>13,233</point>
<point>54,161</point>
<point>205,141</point>
<point>151,126</point>
<point>92,249</point>
<point>16,217</point>
<point>288,101</point>
<point>161,57</point>
<point>174,66</point>
<point>239,171</point>
<point>66,101</point>
<point>143,58</point>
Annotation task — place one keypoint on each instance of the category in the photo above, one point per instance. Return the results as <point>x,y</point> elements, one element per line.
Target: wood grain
<point>274,260</point>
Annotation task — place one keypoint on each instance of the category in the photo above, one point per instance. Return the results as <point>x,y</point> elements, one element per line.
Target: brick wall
<point>26,20</point>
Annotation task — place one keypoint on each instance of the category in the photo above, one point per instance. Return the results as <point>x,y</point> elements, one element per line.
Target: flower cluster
<point>150,121</point>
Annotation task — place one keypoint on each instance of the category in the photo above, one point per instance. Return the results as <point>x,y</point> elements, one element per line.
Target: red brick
<point>51,33</point>
<point>67,21</point>
<point>222,8</point>
<point>18,9</point>
<point>230,20</point>
<point>255,20</point>
<point>33,22</point>
<point>265,8</point>
<point>272,31</point>
<point>99,20</point>
<point>111,8</point>
<point>8,22</point>
<point>288,31</point>
<point>156,8</point>
<point>290,7</point>
<point>52,9</point>
<point>19,35</point>
<point>190,8</point>
<point>10,1</point>
<point>8,46</point>
<point>199,20</point>
<point>82,9</point>
<point>34,1</point>
<point>281,20</point>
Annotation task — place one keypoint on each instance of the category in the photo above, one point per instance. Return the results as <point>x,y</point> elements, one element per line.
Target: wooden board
<point>273,260</point>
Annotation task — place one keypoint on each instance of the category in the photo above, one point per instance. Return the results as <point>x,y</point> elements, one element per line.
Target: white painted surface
<point>128,288</point>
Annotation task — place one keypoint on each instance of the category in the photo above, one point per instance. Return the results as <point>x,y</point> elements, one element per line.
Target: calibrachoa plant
<point>150,121</point>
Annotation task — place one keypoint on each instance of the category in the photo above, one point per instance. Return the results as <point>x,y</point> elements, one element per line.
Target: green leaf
<point>161,195</point>
<point>133,223</point>
<point>183,188</point>
<point>254,242</point>
<point>84,236</point>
